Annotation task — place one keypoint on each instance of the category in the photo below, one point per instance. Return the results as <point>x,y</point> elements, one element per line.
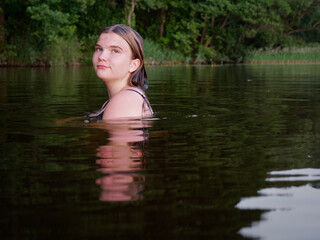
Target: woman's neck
<point>114,88</point>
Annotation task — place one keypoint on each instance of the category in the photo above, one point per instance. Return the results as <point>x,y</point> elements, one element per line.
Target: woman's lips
<point>102,67</point>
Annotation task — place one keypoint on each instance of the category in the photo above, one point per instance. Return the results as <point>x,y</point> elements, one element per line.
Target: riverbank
<point>157,55</point>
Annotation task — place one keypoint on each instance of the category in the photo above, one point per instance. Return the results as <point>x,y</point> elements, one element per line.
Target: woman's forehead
<point>113,39</point>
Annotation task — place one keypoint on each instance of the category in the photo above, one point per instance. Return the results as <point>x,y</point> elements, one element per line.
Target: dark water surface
<point>233,153</point>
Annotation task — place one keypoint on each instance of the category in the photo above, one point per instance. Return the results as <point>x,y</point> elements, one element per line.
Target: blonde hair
<point>139,77</point>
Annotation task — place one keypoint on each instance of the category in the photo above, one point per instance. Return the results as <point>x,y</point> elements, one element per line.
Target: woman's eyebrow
<point>115,46</point>
<point>111,46</point>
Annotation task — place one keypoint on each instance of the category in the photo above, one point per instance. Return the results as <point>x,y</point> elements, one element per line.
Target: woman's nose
<point>104,56</point>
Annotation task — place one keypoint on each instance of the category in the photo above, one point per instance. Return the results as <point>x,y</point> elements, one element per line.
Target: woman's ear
<point>135,64</point>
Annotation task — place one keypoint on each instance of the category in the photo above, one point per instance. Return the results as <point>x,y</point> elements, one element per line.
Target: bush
<point>205,55</point>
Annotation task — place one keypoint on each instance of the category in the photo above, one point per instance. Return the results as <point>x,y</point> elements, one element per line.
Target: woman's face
<point>112,58</point>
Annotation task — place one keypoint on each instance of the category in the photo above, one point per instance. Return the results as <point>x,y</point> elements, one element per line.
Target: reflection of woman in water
<point>118,61</point>
<point>121,159</point>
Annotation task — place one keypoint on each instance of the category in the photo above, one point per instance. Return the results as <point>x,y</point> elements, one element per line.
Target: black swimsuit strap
<point>144,98</point>
<point>99,115</point>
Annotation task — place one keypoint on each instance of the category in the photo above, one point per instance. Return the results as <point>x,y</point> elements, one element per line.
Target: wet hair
<point>139,77</point>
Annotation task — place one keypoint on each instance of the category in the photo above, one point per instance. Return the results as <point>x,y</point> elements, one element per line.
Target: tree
<point>57,31</point>
<point>129,8</point>
<point>304,18</point>
<point>53,29</point>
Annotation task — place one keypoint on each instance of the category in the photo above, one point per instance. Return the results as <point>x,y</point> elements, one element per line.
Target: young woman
<point>118,61</point>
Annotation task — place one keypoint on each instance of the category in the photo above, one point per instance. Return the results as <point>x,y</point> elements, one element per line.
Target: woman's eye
<point>98,49</point>
<point>115,51</point>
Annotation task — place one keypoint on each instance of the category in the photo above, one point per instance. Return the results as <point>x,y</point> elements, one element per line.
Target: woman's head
<point>138,78</point>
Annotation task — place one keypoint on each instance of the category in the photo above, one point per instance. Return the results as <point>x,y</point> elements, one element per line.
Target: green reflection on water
<point>219,131</point>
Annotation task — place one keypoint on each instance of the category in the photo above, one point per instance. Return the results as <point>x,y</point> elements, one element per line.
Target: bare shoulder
<point>128,97</point>
<point>125,104</point>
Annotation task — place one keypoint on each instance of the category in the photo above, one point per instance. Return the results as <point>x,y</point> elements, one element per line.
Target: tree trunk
<point>2,29</point>
<point>225,22</point>
<point>133,4</point>
<point>162,19</point>
<point>204,30</point>
<point>210,40</point>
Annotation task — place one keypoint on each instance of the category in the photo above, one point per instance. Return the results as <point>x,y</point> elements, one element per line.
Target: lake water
<point>232,153</point>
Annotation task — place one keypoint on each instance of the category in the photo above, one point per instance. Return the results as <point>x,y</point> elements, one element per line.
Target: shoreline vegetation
<point>306,54</point>
<point>287,55</point>
<point>155,55</point>
<point>63,33</point>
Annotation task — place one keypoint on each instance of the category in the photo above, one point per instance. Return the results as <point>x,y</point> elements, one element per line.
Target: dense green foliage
<point>49,32</point>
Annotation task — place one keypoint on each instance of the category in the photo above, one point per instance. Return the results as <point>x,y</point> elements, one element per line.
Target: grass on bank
<point>285,55</point>
<point>156,54</point>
